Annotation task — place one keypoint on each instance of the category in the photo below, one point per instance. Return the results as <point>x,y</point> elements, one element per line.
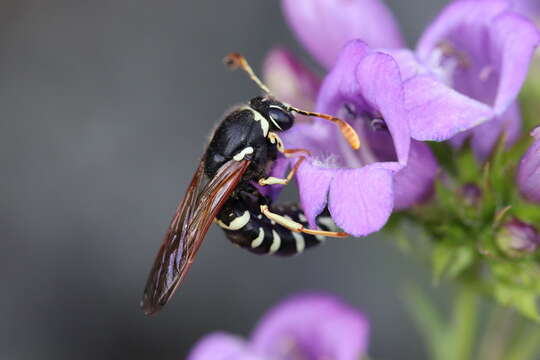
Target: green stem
<point>527,345</point>
<point>499,328</point>
<point>428,321</point>
<point>464,325</point>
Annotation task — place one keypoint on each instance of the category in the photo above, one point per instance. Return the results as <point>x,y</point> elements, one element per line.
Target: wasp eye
<point>280,118</point>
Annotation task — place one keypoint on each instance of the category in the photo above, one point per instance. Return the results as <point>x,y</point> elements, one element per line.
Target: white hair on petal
<point>329,161</point>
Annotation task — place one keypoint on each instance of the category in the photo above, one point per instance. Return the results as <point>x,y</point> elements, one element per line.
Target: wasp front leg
<point>275,139</point>
<point>283,181</point>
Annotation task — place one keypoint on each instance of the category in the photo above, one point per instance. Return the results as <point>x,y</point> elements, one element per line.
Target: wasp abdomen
<point>252,230</point>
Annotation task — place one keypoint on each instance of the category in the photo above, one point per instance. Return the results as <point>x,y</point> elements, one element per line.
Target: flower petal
<point>312,327</point>
<point>313,185</point>
<point>377,86</point>
<point>515,40</point>
<point>341,85</point>
<point>361,200</point>
<point>528,176</point>
<point>437,112</point>
<point>529,8</point>
<point>464,16</point>
<point>221,346</point>
<point>408,63</point>
<point>325,26</point>
<point>380,84</point>
<point>290,80</point>
<point>414,183</point>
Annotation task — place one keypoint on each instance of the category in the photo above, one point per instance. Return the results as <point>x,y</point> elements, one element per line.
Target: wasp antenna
<point>235,61</point>
<point>346,129</point>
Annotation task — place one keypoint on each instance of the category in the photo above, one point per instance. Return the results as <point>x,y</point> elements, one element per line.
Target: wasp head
<point>277,113</point>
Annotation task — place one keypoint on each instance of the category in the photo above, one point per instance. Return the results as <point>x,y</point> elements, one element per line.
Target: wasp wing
<point>188,228</point>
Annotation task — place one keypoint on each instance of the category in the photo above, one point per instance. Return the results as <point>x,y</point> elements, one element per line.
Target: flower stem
<point>464,325</point>
<point>500,326</point>
<point>428,320</point>
<point>527,345</point>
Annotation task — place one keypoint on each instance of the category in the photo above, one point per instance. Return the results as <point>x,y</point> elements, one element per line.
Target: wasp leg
<point>275,139</point>
<point>297,227</point>
<point>278,181</point>
<point>291,152</point>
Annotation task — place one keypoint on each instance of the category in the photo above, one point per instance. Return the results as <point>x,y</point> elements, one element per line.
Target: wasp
<point>223,190</point>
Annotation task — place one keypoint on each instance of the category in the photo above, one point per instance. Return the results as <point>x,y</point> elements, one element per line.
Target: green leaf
<point>442,255</point>
<point>445,155</point>
<point>522,300</point>
<point>530,107</point>
<point>451,260</point>
<point>469,169</point>
<point>462,259</point>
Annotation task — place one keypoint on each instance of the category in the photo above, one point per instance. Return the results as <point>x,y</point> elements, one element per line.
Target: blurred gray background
<point>105,106</point>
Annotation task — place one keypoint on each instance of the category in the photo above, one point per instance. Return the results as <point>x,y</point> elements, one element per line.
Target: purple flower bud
<point>517,238</point>
<point>528,176</point>
<point>471,194</point>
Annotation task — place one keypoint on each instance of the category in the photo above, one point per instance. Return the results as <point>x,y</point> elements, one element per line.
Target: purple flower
<point>517,238</point>
<point>325,26</point>
<point>528,176</point>
<point>466,72</point>
<point>303,327</point>
<point>360,188</point>
<point>529,8</point>
<point>290,80</point>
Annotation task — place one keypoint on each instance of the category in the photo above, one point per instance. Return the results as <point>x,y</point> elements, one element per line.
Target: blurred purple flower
<point>529,8</point>
<point>467,70</point>
<point>291,80</point>
<point>528,176</point>
<point>471,194</point>
<point>360,188</point>
<point>325,26</point>
<point>303,327</point>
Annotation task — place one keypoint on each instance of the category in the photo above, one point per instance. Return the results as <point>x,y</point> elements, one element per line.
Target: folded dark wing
<point>193,217</point>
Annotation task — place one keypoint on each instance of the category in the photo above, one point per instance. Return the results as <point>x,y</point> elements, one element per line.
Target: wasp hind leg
<point>297,227</point>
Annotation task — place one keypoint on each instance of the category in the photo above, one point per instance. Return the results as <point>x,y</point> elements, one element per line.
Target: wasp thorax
<point>276,112</point>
